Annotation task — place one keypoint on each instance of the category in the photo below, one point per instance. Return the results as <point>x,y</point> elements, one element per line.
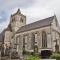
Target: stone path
<point>13,59</point>
<point>9,59</point>
<point>6,58</point>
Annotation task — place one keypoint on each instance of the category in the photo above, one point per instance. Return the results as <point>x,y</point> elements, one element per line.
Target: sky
<point>33,9</point>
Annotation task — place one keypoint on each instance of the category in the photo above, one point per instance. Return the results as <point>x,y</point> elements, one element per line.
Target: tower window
<point>13,19</point>
<point>21,20</point>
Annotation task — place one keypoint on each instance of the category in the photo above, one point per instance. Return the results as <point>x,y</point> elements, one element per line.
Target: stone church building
<point>19,36</point>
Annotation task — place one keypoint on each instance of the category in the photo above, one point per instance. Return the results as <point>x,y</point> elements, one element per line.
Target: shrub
<point>32,57</point>
<point>55,56</point>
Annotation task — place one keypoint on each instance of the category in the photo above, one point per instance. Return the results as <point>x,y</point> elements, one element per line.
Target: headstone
<point>35,50</point>
<point>0,55</point>
<point>21,54</point>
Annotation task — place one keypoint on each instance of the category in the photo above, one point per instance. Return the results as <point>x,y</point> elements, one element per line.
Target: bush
<point>55,56</point>
<point>32,57</point>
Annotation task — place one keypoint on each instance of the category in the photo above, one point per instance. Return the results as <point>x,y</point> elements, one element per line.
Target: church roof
<point>35,25</point>
<point>1,37</point>
<point>3,33</point>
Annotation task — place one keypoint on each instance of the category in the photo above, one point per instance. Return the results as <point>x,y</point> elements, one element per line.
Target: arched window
<point>21,20</point>
<point>44,40</point>
<point>33,41</point>
<point>24,42</point>
<point>23,45</point>
<point>17,42</point>
<point>13,19</point>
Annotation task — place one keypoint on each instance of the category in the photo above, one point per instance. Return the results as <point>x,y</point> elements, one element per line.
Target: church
<point>19,36</point>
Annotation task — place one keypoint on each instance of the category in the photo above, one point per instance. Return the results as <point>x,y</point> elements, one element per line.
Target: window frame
<point>44,39</point>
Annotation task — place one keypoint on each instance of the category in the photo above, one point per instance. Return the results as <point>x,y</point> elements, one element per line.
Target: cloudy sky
<point>33,9</point>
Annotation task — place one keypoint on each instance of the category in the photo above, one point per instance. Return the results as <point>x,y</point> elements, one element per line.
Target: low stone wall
<point>48,59</point>
<point>14,59</point>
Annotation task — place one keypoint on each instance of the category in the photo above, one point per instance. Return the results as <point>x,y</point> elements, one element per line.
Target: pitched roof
<point>2,34</point>
<point>38,24</point>
<point>1,37</point>
<point>7,29</point>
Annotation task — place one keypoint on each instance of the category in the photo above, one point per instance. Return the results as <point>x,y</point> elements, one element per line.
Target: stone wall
<point>37,32</point>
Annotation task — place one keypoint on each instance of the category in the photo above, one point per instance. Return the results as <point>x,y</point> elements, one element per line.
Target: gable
<point>55,22</point>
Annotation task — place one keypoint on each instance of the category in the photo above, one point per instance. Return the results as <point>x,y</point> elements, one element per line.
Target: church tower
<point>17,20</point>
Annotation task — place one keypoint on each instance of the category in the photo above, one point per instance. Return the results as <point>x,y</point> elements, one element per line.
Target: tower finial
<point>18,11</point>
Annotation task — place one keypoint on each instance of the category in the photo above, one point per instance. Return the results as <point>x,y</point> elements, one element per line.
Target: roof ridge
<point>38,21</point>
<point>37,24</point>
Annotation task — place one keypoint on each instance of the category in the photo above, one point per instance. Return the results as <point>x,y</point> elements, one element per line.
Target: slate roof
<point>38,24</point>
<point>1,37</point>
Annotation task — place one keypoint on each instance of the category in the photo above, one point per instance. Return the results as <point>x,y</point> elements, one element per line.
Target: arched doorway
<point>46,54</point>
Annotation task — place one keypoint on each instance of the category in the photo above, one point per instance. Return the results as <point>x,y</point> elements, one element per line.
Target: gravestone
<point>0,55</point>
<point>35,50</point>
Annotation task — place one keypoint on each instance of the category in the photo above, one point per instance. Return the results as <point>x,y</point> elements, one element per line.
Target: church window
<point>44,40</point>
<point>24,42</point>
<point>17,41</point>
<point>56,23</point>
<point>13,19</point>
<point>33,41</point>
<point>18,38</point>
<point>21,20</point>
